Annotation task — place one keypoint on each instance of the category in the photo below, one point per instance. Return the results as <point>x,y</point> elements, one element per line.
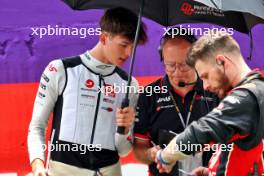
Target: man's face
<point>117,49</point>
<point>174,55</point>
<point>214,77</point>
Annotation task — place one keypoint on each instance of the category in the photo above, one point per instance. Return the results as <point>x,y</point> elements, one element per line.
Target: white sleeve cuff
<point>122,143</point>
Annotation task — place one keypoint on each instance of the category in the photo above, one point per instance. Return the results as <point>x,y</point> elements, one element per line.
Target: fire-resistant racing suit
<point>237,125</point>
<point>80,92</point>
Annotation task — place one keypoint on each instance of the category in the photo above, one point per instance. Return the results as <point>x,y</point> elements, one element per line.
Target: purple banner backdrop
<point>24,54</point>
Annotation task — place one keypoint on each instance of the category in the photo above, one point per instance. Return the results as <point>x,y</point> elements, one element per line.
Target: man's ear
<point>102,37</point>
<point>220,60</point>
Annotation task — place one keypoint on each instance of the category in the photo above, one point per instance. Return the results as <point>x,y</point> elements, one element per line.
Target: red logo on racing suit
<point>187,8</point>
<point>109,109</point>
<point>52,68</point>
<point>109,90</point>
<point>89,83</point>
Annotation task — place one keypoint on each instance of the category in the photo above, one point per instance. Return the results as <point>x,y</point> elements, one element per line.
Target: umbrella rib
<point>251,45</point>
<point>74,4</point>
<point>212,1</point>
<point>167,12</point>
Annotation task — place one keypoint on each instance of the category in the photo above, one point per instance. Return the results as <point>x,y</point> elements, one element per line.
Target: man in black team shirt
<point>238,121</point>
<point>170,111</point>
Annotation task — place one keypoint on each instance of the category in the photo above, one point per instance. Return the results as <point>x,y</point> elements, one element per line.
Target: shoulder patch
<point>71,61</point>
<point>232,99</point>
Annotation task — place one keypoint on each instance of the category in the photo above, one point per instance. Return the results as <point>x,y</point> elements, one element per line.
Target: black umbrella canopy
<point>253,7</point>
<point>171,12</point>
<point>253,10</point>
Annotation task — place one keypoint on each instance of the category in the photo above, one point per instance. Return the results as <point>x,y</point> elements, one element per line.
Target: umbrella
<point>233,14</point>
<point>252,12</point>
<point>253,7</point>
<point>169,13</point>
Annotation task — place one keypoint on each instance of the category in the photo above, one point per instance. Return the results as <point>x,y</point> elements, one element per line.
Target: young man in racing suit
<point>236,125</point>
<point>80,91</point>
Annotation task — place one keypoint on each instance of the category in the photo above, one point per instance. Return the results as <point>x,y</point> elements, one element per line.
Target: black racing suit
<point>237,126</point>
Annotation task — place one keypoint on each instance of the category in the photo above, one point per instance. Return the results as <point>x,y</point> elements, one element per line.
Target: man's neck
<point>241,74</point>
<point>97,53</point>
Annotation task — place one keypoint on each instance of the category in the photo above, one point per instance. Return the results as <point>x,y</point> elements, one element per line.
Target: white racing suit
<point>83,95</point>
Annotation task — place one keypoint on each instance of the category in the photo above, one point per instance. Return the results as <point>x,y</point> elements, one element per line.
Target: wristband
<point>160,159</point>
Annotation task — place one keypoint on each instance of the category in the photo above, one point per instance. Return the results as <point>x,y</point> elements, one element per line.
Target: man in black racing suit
<point>235,127</point>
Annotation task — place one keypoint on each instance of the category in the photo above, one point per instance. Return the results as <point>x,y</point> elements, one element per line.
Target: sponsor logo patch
<point>165,99</point>
<point>108,100</point>
<point>109,109</point>
<point>187,8</point>
<point>88,96</point>
<point>87,105</point>
<point>109,90</point>
<point>89,90</point>
<point>89,83</point>
<point>41,95</point>
<point>103,66</point>
<point>42,86</point>
<point>45,77</point>
<point>232,100</point>
<point>164,107</point>
<point>52,68</point>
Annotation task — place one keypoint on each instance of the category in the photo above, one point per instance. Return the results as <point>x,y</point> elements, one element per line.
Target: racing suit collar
<point>252,75</point>
<point>95,65</point>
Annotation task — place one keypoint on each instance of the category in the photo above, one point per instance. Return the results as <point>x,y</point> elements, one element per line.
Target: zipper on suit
<point>96,110</point>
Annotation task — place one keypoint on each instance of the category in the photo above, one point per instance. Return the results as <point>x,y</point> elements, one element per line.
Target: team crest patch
<point>232,100</point>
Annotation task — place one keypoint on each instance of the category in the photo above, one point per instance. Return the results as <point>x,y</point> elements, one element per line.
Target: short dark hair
<point>170,35</point>
<point>207,46</point>
<point>121,21</point>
